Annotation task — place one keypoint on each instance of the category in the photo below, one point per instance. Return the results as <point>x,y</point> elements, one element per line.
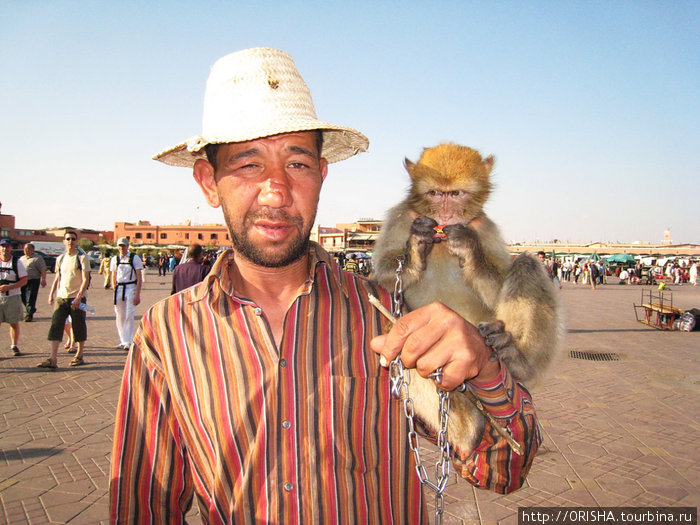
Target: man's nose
<point>274,190</point>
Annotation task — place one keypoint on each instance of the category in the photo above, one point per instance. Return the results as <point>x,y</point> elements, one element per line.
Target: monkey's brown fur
<point>469,271</point>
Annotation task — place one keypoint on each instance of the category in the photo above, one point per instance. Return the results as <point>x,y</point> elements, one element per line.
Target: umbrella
<point>624,258</point>
<point>594,257</point>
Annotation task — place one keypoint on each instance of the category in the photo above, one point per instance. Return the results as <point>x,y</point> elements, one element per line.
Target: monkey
<point>454,254</point>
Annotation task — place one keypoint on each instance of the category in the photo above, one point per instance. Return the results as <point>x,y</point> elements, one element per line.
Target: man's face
<point>70,241</point>
<point>5,251</point>
<point>269,191</point>
<point>123,248</point>
<point>28,250</point>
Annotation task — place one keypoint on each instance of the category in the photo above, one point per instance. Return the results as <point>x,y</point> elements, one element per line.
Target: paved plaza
<point>621,432</point>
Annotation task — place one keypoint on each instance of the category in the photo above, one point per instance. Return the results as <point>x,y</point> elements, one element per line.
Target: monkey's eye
<point>457,193</point>
<point>434,193</point>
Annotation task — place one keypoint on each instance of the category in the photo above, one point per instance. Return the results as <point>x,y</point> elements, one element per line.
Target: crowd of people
<point>21,278</point>
<point>595,272</point>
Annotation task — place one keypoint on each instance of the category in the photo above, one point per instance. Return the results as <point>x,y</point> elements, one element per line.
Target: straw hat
<point>256,93</point>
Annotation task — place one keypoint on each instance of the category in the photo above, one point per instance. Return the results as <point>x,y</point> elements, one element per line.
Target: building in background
<point>21,236</point>
<point>145,233</point>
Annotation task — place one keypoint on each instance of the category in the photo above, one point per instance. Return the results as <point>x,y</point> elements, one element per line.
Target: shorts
<point>61,312</point>
<point>10,309</point>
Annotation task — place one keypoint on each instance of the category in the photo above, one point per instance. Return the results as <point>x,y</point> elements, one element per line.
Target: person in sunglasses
<point>67,294</point>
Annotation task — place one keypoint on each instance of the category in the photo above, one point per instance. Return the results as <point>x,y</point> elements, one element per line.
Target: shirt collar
<point>219,276</point>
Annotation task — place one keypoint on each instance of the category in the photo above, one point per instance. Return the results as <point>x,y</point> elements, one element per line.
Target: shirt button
<point>257,311</point>
<point>288,486</point>
<point>283,362</point>
<point>286,424</point>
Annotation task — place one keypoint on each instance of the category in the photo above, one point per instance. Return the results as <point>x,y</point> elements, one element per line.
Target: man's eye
<point>298,165</point>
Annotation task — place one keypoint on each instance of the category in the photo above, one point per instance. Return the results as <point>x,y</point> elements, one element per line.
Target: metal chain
<point>400,380</point>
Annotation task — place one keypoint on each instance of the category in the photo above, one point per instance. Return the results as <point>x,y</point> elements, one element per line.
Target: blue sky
<point>590,108</point>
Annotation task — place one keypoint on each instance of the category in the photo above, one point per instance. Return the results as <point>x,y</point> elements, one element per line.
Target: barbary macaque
<point>454,254</point>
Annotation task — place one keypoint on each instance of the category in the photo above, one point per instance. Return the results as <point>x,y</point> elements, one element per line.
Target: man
<point>595,273</point>
<point>126,268</point>
<point>36,276</point>
<point>162,264</point>
<point>351,265</point>
<point>68,289</point>
<point>13,276</point>
<point>191,272</point>
<point>104,270</point>
<point>259,390</point>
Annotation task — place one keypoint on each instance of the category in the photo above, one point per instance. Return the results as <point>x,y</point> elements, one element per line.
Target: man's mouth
<point>272,230</point>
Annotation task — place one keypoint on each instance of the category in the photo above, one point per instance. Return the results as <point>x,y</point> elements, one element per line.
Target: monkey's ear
<point>488,163</point>
<point>409,166</point>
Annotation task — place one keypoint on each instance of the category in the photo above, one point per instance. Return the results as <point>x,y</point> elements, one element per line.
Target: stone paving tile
<point>614,433</point>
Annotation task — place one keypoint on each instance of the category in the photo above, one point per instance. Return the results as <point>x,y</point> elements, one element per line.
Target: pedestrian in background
<point>68,290</point>
<point>126,268</point>
<point>36,276</point>
<point>13,276</point>
<point>104,270</point>
<point>192,272</point>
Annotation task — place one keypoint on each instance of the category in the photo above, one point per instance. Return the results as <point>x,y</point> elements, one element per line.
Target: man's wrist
<point>488,373</point>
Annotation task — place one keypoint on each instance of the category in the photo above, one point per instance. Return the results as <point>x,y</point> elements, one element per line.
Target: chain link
<point>400,380</point>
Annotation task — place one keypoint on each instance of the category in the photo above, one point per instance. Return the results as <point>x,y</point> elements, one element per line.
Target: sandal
<point>72,350</point>
<point>47,364</point>
<point>77,361</point>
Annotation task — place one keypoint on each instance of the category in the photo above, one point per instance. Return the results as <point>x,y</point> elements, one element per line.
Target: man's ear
<point>203,173</point>
<point>323,165</point>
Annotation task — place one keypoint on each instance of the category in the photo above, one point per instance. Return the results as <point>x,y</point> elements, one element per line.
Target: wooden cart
<point>657,309</point>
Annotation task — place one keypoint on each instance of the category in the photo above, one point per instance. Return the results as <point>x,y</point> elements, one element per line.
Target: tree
<point>86,244</point>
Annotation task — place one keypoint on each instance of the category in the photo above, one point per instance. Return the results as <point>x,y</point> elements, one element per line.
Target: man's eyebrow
<point>242,155</point>
<point>302,151</point>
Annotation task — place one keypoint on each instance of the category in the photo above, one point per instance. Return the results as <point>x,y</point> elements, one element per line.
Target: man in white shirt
<point>13,276</point>
<point>126,268</point>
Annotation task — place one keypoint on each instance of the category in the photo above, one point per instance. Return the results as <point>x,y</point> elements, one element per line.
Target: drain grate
<point>594,356</point>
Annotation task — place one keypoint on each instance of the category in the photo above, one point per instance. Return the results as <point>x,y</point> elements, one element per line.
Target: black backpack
<point>14,269</point>
<point>130,263</point>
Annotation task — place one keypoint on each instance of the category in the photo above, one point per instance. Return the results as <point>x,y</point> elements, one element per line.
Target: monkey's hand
<point>463,242</point>
<point>421,242</point>
<point>499,340</point>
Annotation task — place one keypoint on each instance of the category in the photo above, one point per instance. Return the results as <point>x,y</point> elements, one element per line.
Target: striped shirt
<point>211,408</point>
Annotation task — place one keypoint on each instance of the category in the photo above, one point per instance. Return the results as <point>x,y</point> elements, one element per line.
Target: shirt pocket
<point>360,422</point>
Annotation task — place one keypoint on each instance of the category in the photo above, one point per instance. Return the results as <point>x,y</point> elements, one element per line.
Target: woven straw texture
<point>258,93</point>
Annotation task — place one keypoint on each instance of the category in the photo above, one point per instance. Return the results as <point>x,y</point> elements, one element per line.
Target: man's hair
<point>70,232</point>
<point>194,251</point>
<point>212,149</point>
<point>541,253</point>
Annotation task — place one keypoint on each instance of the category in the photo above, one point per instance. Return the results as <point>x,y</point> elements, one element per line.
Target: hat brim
<point>339,143</point>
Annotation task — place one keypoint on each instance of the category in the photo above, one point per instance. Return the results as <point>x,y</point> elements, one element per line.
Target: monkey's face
<point>450,183</point>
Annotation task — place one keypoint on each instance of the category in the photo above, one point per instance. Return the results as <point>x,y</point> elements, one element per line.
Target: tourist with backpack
<point>13,276</point>
<point>126,268</point>
<point>68,291</point>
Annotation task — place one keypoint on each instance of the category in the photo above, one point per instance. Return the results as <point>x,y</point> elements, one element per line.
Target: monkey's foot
<point>498,339</point>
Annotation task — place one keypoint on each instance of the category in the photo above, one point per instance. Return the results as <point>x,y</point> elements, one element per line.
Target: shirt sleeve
<point>21,270</point>
<point>85,263</point>
<point>150,479</point>
<point>493,464</point>
<point>138,263</point>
